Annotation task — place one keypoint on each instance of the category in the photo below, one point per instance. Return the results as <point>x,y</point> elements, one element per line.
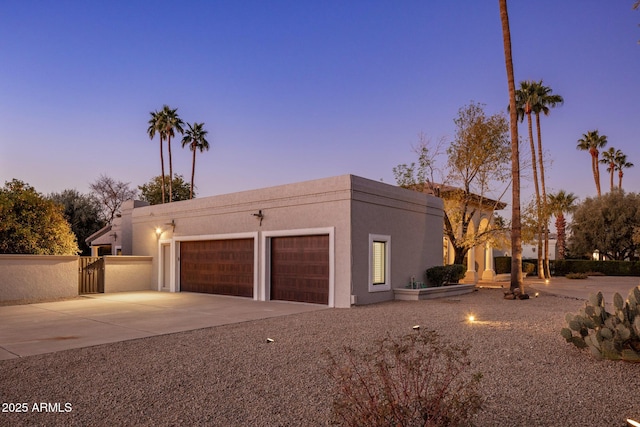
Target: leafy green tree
<point>516,238</point>
<point>151,192</point>
<point>607,224</point>
<point>83,214</point>
<point>593,142</point>
<point>561,203</point>
<point>475,162</point>
<point>32,224</point>
<point>110,195</point>
<point>195,138</point>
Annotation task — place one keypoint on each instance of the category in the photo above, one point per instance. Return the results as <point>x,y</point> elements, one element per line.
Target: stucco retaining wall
<point>30,277</point>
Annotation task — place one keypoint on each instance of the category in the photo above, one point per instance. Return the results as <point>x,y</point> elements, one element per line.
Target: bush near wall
<point>503,265</point>
<point>563,267</point>
<point>444,274</point>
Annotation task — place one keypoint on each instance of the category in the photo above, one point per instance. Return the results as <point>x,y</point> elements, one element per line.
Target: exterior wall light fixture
<point>160,230</point>
<point>259,215</point>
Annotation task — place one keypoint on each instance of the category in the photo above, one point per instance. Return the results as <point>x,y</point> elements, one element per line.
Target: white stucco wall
<point>32,277</point>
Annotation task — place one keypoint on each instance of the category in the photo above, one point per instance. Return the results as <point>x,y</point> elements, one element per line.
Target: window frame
<point>386,286</point>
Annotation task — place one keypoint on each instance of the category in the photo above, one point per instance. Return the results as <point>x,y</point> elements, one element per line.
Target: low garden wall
<point>127,273</point>
<point>33,277</point>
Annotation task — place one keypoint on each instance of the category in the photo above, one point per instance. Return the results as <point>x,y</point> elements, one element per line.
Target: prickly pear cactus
<point>614,336</point>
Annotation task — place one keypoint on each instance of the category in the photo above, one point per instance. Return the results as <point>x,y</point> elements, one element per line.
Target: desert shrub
<point>607,335</point>
<point>528,267</point>
<point>576,276</point>
<point>415,380</point>
<point>502,264</point>
<point>443,274</point>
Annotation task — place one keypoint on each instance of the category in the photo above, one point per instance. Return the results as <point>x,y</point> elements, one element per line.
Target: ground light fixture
<point>471,318</point>
<point>633,423</point>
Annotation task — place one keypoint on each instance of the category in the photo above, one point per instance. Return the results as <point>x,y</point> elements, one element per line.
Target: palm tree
<point>561,203</point>
<point>621,163</point>
<point>592,142</point>
<point>171,123</point>
<point>155,125</point>
<point>516,228</point>
<point>544,101</point>
<point>195,138</point>
<point>609,158</point>
<point>526,97</point>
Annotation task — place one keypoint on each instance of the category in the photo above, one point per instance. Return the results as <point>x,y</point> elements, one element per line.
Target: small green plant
<point>607,335</point>
<point>412,381</point>
<point>576,276</point>
<point>444,274</point>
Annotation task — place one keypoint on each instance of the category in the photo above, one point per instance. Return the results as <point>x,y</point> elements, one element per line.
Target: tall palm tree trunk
<point>545,210</point>
<point>193,173</point>
<point>620,174</point>
<point>561,225</point>
<point>170,170</point>
<point>537,189</point>
<point>162,167</point>
<point>516,237</point>
<point>596,172</point>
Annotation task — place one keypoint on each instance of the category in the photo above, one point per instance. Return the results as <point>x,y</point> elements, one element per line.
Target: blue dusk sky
<point>297,90</point>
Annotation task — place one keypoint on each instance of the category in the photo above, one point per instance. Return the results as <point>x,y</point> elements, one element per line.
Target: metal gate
<point>91,275</point>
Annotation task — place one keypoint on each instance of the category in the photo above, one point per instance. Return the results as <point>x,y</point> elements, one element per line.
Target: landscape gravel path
<point>232,376</point>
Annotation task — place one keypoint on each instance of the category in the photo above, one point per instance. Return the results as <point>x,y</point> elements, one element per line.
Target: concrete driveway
<point>581,288</point>
<point>95,319</point>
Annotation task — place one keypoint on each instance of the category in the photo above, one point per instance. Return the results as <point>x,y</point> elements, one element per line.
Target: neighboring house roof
<point>443,190</point>
<point>100,237</point>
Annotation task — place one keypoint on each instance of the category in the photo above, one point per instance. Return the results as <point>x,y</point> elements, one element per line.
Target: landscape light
<point>633,423</point>
<point>416,327</point>
<point>471,318</point>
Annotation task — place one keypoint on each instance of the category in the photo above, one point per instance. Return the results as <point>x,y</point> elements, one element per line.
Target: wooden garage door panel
<point>300,268</point>
<point>217,267</point>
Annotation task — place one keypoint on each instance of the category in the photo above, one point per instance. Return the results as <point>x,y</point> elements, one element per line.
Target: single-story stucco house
<point>336,241</point>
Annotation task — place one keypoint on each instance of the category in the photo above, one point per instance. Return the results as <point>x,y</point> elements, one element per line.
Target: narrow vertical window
<point>379,262</point>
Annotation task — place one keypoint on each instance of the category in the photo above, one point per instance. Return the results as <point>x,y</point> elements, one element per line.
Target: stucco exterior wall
<point>413,221</point>
<point>29,277</point>
<point>127,273</point>
<point>306,206</point>
<point>348,208</point>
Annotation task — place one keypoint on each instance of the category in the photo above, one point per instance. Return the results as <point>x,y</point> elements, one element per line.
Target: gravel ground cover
<point>231,375</point>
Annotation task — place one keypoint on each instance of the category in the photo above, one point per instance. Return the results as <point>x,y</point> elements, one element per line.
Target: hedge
<point>503,265</point>
<point>563,267</point>
<point>443,274</point>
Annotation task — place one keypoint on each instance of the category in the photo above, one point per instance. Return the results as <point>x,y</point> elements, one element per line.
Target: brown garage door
<point>217,267</point>
<point>300,269</point>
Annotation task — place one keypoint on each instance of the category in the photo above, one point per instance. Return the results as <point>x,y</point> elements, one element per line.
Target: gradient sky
<point>297,90</point>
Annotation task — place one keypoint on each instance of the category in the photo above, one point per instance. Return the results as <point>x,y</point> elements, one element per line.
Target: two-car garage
<point>298,267</point>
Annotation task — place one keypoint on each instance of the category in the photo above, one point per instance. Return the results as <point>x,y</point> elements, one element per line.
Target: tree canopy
<point>151,192</point>
<point>111,194</point>
<point>608,224</point>
<point>83,214</point>
<point>33,224</point>
<point>476,162</point>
